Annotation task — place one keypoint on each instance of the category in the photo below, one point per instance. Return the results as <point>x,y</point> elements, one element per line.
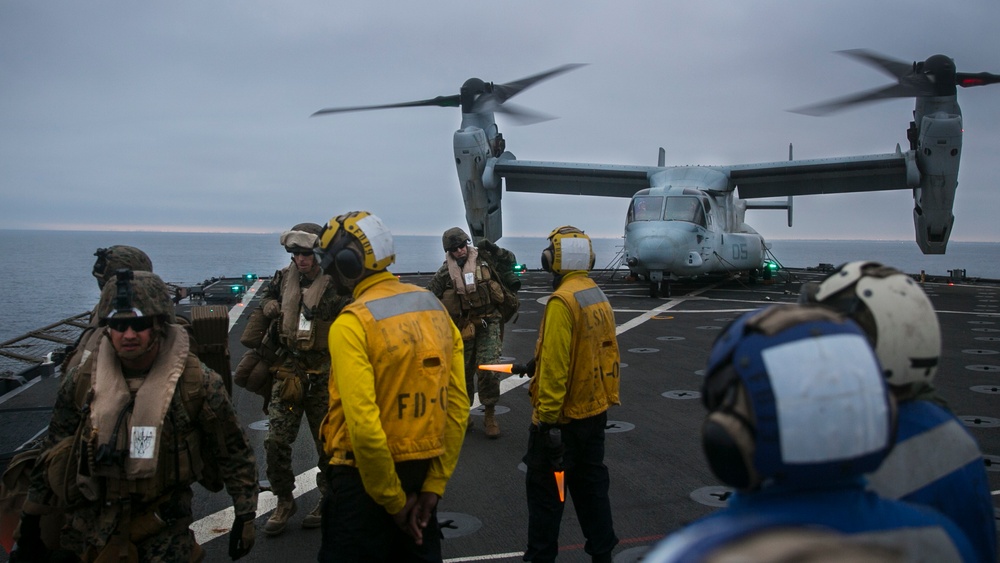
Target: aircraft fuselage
<point>685,228</point>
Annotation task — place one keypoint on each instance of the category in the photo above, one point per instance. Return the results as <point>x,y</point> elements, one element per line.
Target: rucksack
<point>503,264</point>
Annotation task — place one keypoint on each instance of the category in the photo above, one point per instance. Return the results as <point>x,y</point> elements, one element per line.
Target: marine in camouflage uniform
<point>469,288</point>
<point>301,299</point>
<point>134,425</point>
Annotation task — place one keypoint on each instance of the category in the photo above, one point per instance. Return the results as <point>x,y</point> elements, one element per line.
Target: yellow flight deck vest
<point>409,339</point>
<point>593,381</point>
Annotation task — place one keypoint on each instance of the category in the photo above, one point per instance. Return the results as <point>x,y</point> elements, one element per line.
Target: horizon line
<point>202,230</point>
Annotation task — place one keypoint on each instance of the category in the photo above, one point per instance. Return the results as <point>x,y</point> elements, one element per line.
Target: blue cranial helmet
<point>795,396</point>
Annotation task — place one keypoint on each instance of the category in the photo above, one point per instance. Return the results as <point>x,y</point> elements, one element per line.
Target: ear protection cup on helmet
<point>727,440</point>
<point>727,436</point>
<point>547,259</point>
<point>346,260</point>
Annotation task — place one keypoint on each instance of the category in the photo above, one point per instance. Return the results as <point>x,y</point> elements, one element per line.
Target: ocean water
<point>45,275</point>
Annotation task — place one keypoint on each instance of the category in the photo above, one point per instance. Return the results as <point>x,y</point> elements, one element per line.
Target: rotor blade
<point>968,79</point>
<point>824,108</point>
<point>439,101</point>
<point>503,92</point>
<point>894,68</point>
<point>523,116</point>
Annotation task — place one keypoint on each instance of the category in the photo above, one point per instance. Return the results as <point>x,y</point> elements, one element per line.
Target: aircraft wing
<point>609,180</point>
<point>823,176</point>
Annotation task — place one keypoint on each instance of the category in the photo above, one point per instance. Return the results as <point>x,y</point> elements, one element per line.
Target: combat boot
<point>277,522</point>
<point>490,423</point>
<point>315,518</point>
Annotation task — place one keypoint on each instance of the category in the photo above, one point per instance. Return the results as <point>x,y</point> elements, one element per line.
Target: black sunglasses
<point>457,247</point>
<point>137,324</point>
<point>303,253</point>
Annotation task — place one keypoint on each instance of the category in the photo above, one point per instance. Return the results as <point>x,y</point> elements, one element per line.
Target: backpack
<point>208,332</point>
<point>503,264</point>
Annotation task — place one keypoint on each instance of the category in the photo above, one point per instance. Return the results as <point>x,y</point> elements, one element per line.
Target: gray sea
<point>45,275</point>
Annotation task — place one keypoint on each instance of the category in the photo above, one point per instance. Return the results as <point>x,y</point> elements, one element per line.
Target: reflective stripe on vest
<point>588,297</point>
<point>923,459</point>
<point>411,302</point>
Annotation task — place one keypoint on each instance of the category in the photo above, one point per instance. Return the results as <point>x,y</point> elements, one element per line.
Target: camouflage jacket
<point>93,522</point>
<point>442,286</point>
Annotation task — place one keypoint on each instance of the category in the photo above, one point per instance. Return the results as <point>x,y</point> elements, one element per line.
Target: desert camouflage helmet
<point>119,257</point>
<point>453,238</point>
<point>135,293</point>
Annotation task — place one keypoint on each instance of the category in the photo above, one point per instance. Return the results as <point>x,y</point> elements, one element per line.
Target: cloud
<point>195,115</point>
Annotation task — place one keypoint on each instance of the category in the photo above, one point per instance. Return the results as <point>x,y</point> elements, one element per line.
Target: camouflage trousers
<point>484,348</point>
<point>284,419</point>
<point>165,547</point>
<point>91,529</point>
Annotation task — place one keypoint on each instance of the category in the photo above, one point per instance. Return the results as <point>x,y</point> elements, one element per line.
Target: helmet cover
<point>139,294</point>
<point>119,257</point>
<point>812,391</point>
<point>370,233</point>
<point>569,249</point>
<point>454,237</point>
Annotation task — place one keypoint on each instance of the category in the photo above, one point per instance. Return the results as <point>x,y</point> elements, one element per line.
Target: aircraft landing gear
<point>659,289</point>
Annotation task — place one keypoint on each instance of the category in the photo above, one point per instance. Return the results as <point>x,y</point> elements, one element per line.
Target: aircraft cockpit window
<point>646,208</point>
<point>686,209</point>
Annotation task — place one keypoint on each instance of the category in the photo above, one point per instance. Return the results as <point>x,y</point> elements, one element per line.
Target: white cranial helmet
<point>895,313</point>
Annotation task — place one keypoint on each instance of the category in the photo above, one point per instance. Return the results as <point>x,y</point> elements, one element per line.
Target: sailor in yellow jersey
<point>398,404</point>
<point>574,383</point>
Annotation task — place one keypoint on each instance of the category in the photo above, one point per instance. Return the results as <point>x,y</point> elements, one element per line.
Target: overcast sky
<point>194,115</point>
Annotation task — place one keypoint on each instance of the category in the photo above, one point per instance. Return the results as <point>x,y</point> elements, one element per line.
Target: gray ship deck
<point>659,479</point>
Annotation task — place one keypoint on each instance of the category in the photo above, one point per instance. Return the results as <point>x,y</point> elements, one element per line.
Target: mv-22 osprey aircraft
<point>686,221</point>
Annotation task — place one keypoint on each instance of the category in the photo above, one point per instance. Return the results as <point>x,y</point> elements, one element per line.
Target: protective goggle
<point>137,324</point>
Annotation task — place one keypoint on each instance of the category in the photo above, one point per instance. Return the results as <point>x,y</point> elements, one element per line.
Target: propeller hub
<point>470,92</point>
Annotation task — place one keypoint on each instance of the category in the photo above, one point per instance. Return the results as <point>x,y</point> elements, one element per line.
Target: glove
<point>488,246</point>
<point>551,437</point>
<point>524,370</point>
<point>29,546</point>
<point>241,537</point>
<point>272,309</point>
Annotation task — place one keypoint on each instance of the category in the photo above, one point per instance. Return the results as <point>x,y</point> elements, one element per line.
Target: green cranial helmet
<point>119,257</point>
<point>135,294</point>
<point>453,238</point>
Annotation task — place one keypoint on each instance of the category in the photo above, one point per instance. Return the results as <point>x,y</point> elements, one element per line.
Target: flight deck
<point>660,480</point>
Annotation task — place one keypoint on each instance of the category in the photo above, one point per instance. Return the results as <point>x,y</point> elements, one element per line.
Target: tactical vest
<point>409,339</point>
<point>71,462</point>
<point>592,385</point>
<point>479,303</point>
<point>319,328</point>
